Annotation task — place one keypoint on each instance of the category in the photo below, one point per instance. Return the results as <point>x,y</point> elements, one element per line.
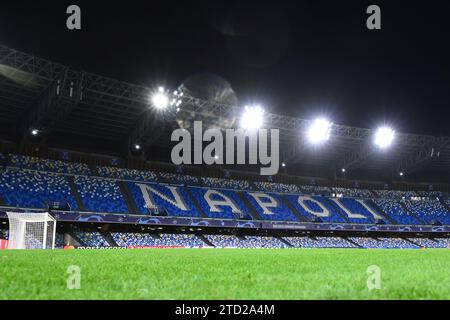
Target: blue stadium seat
<point>278,213</point>
<point>33,189</point>
<point>170,208</point>
<point>313,204</point>
<point>100,195</point>
<point>226,212</point>
<point>394,209</point>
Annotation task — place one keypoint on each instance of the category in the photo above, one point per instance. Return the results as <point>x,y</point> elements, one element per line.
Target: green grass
<point>225,274</point>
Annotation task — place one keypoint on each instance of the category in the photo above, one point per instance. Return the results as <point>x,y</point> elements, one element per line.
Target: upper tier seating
<point>353,193</point>
<point>33,189</point>
<point>49,165</point>
<point>226,183</point>
<point>156,240</point>
<point>277,187</point>
<point>176,178</point>
<point>315,190</point>
<point>126,174</point>
<point>431,194</point>
<point>100,195</point>
<point>394,209</point>
<point>395,194</point>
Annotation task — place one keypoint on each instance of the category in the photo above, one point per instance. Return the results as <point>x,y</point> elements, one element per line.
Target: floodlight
<point>34,132</point>
<point>160,100</point>
<point>252,118</point>
<point>137,146</point>
<point>319,131</point>
<point>401,174</point>
<point>384,137</point>
<point>343,170</point>
<point>283,164</point>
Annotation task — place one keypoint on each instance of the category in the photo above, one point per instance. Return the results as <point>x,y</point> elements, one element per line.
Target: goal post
<point>31,230</point>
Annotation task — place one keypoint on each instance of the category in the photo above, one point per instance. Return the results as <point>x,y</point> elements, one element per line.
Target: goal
<point>35,230</point>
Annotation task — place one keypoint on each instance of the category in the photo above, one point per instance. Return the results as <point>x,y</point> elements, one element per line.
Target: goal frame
<point>18,229</point>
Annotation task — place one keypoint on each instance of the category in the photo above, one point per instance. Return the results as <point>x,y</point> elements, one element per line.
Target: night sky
<point>299,58</point>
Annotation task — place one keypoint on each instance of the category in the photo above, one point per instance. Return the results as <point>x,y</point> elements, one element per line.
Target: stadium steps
<point>249,206</point>
<point>284,241</point>
<point>337,209</point>
<point>205,240</point>
<point>76,238</point>
<point>412,214</point>
<point>132,208</point>
<point>75,194</point>
<point>294,210</point>
<point>352,242</point>
<point>380,211</point>
<point>410,241</point>
<point>108,237</point>
<point>195,202</point>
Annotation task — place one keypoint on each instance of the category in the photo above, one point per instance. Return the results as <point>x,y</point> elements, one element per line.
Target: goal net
<point>31,230</point>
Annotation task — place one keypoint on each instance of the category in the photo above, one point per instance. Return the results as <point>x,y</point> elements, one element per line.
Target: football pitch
<point>225,274</point>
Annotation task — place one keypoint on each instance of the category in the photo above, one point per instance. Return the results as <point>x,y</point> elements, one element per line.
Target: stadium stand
<point>223,204</point>
<point>155,240</point>
<point>175,178</point>
<point>226,183</point>
<point>395,194</point>
<point>270,206</point>
<point>27,182</point>
<point>429,211</point>
<point>172,200</point>
<point>91,239</point>
<point>431,194</point>
<point>33,189</point>
<point>315,190</point>
<point>277,187</point>
<point>384,243</point>
<point>100,195</point>
<point>395,210</point>
<point>126,174</point>
<point>428,243</point>
<point>231,241</point>
<point>48,165</point>
<point>353,193</point>
<point>319,242</point>
<point>357,213</point>
<point>316,207</point>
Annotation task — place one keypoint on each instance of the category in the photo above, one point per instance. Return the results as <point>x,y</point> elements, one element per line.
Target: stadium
<point>101,201</point>
<point>88,190</point>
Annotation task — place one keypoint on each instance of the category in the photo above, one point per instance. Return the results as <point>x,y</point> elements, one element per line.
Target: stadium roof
<point>65,102</point>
